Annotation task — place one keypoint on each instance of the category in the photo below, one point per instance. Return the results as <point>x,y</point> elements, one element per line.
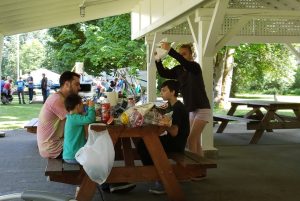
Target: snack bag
<point>134,116</point>
<point>156,117</point>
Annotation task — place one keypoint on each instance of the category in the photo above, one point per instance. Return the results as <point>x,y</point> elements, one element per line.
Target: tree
<point>263,67</point>
<point>103,45</point>
<point>9,57</point>
<point>33,55</point>
<point>31,52</point>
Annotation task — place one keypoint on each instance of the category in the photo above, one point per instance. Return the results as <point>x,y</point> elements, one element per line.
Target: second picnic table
<point>267,121</point>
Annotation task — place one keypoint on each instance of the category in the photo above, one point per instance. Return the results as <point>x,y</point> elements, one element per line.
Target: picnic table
<point>264,121</point>
<point>186,166</point>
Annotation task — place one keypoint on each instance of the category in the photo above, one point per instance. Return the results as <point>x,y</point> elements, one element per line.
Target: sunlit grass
<point>15,115</point>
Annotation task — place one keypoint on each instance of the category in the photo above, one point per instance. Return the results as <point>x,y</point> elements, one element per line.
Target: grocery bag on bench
<point>97,156</point>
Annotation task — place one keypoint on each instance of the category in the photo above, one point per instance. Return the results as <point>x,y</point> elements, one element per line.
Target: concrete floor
<point>268,171</point>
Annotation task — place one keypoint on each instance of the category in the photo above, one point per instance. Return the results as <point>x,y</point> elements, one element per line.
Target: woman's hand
<point>165,46</point>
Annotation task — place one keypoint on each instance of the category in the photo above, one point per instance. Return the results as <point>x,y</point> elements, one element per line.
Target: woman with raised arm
<point>192,88</point>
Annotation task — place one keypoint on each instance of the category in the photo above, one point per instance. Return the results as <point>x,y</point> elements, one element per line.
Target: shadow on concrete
<point>267,171</point>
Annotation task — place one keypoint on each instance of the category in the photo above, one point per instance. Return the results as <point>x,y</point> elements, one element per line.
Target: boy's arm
<point>173,130</point>
<point>176,122</point>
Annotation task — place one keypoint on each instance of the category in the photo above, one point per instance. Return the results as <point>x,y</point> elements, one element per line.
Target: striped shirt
<point>50,129</point>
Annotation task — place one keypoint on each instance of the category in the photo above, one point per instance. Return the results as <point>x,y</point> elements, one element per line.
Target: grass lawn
<point>15,115</point>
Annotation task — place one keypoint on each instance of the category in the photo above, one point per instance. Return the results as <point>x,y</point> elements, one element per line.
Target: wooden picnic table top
<point>266,103</point>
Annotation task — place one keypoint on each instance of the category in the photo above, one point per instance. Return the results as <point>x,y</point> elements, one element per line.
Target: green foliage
<point>262,67</point>
<point>103,45</point>
<point>32,52</point>
<point>32,55</point>
<point>297,79</point>
<point>9,57</point>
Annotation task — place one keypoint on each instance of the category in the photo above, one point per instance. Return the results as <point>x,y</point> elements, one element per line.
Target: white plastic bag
<point>97,156</point>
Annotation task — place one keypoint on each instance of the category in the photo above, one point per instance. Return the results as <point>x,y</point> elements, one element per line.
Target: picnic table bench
<point>169,168</point>
<point>31,126</point>
<point>226,118</point>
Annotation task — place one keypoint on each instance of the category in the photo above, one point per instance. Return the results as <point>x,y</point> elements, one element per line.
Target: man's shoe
<point>30,102</point>
<point>157,189</point>
<point>121,187</point>
<point>24,103</point>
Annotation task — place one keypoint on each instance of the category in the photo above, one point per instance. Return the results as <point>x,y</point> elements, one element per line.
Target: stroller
<point>6,98</point>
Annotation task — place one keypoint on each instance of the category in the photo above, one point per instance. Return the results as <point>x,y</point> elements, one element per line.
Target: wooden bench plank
<point>188,165</point>
<point>54,166</point>
<point>31,123</point>
<point>205,162</point>
<point>226,118</point>
<point>221,117</point>
<point>188,158</point>
<point>181,159</point>
<point>31,126</point>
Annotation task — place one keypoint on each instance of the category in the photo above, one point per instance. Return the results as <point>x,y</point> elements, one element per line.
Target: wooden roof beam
<point>194,27</point>
<point>231,33</point>
<point>215,25</point>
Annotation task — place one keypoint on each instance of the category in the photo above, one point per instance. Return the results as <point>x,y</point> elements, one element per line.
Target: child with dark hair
<point>177,133</point>
<point>74,137</point>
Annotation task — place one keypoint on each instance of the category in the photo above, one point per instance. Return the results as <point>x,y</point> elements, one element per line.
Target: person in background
<point>111,86</point>
<point>177,134</point>
<point>7,88</point>
<point>138,88</point>
<point>100,88</point>
<point>44,86</point>
<point>30,87</point>
<point>74,134</point>
<point>50,129</point>
<point>192,88</point>
<point>2,83</point>
<point>20,89</point>
<point>49,85</point>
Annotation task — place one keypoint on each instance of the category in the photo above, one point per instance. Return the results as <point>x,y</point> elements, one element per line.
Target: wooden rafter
<point>215,25</point>
<point>194,30</point>
<point>231,33</point>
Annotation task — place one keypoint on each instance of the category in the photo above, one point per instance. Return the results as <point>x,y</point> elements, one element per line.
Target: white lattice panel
<point>272,4</point>
<point>265,27</point>
<point>254,4</point>
<point>181,29</point>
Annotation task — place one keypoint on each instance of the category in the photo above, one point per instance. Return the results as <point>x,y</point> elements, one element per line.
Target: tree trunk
<point>223,71</point>
<point>218,76</point>
<point>227,77</point>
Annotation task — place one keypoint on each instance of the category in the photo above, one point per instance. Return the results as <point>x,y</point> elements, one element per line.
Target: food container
<point>105,112</point>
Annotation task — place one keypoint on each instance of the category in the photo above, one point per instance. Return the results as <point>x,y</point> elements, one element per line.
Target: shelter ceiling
<point>265,18</point>
<point>19,16</point>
